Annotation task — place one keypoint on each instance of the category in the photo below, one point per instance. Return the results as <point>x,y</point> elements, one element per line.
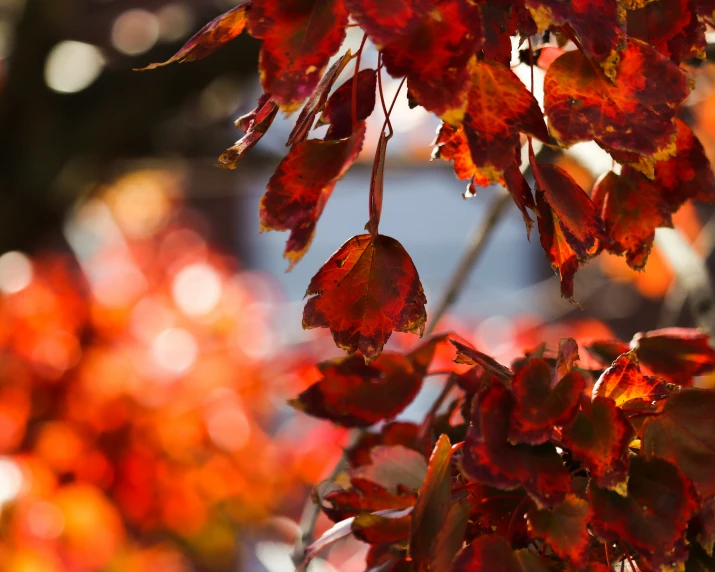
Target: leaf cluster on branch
<point>554,466</point>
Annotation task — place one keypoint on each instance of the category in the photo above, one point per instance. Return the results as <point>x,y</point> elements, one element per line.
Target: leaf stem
<point>355,81</point>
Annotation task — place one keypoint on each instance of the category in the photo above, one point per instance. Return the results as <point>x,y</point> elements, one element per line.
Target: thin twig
<point>475,247</point>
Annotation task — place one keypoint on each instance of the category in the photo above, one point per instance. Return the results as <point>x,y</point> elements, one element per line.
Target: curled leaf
<point>255,124</point>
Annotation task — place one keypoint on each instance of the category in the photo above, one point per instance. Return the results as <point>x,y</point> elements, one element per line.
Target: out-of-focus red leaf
<point>362,497</point>
<point>629,115</point>
<point>570,227</point>
<point>704,525</point>
<point>212,36</point>
<point>675,353</point>
<point>656,511</point>
<point>299,37</point>
<point>566,357</point>
<point>684,434</point>
<point>540,404</point>
<point>688,174</point>
<point>499,107</point>
<point>489,457</point>
<point>430,43</point>
<point>471,356</point>
<point>338,109</point>
<point>301,186</point>
<point>631,208</point>
<point>367,289</point>
<point>394,467</point>
<point>451,145</point>
<point>599,438</point>
<point>316,102</point>
<point>623,381</point>
<point>255,124</point>
<point>564,528</point>
<point>354,394</point>
<point>671,26</point>
<point>428,549</point>
<point>395,433</point>
<point>521,193</point>
<point>607,351</point>
<point>598,24</point>
<point>493,552</point>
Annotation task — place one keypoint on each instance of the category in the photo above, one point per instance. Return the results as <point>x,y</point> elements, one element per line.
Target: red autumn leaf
<point>598,24</point>
<point>385,526</point>
<point>489,458</point>
<point>211,37</point>
<point>355,394</point>
<point>367,289</point>
<point>338,109</point>
<point>430,43</point>
<point>493,552</point>
<point>656,511</point>
<point>493,511</point>
<point>599,437</point>
<point>564,528</point>
<point>377,185</point>
<point>542,402</point>
<point>301,186</point>
<point>501,20</point>
<point>255,124</point>
<point>499,107</point>
<point>629,115</point>
<point>521,193</point>
<point>684,434</point>
<point>688,174</point>
<point>451,145</point>
<point>607,351</point>
<point>623,382</point>
<point>566,357</point>
<point>671,26</point>
<point>395,433</point>
<point>704,526</point>
<point>471,356</point>
<point>316,102</point>
<point>299,37</point>
<point>675,353</point>
<point>437,523</point>
<point>570,228</point>
<point>364,496</point>
<point>631,208</point>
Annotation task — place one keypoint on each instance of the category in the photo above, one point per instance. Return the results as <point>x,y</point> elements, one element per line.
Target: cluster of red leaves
<point>112,456</point>
<point>587,457</point>
<point>619,83</point>
<point>552,465</point>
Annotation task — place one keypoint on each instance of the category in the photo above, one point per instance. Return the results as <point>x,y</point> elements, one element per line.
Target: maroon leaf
<point>338,110</point>
<point>255,124</point>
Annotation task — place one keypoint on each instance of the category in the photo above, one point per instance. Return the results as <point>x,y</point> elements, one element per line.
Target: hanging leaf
<point>301,186</point>
<point>367,289</point>
<point>338,110</point>
<point>211,37</point>
<point>255,124</point>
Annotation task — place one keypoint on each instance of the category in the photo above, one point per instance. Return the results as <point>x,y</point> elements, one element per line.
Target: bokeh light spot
<point>197,289</point>
<point>135,32</point>
<point>73,66</point>
<point>15,272</point>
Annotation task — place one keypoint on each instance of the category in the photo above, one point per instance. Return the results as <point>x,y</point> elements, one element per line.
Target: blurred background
<point>149,336</point>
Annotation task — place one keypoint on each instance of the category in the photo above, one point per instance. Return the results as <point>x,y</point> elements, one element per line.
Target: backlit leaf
<point>655,513</point>
<point>599,437</point>
<point>631,208</point>
<point>364,496</point>
<point>540,404</point>
<point>570,228</point>
<point>499,107</point>
<point>623,381</point>
<point>301,186</point>
<point>471,356</point>
<point>451,145</point>
<point>316,102</point>
<point>671,26</point>
<point>598,24</point>
<point>338,110</point>
<point>675,353</point>
<point>299,37</point>
<point>564,527</point>
<point>367,289</point>
<point>489,458</point>
<point>212,36</point>
<point>629,115</point>
<point>521,193</point>
<point>255,124</point>
<point>684,434</point>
